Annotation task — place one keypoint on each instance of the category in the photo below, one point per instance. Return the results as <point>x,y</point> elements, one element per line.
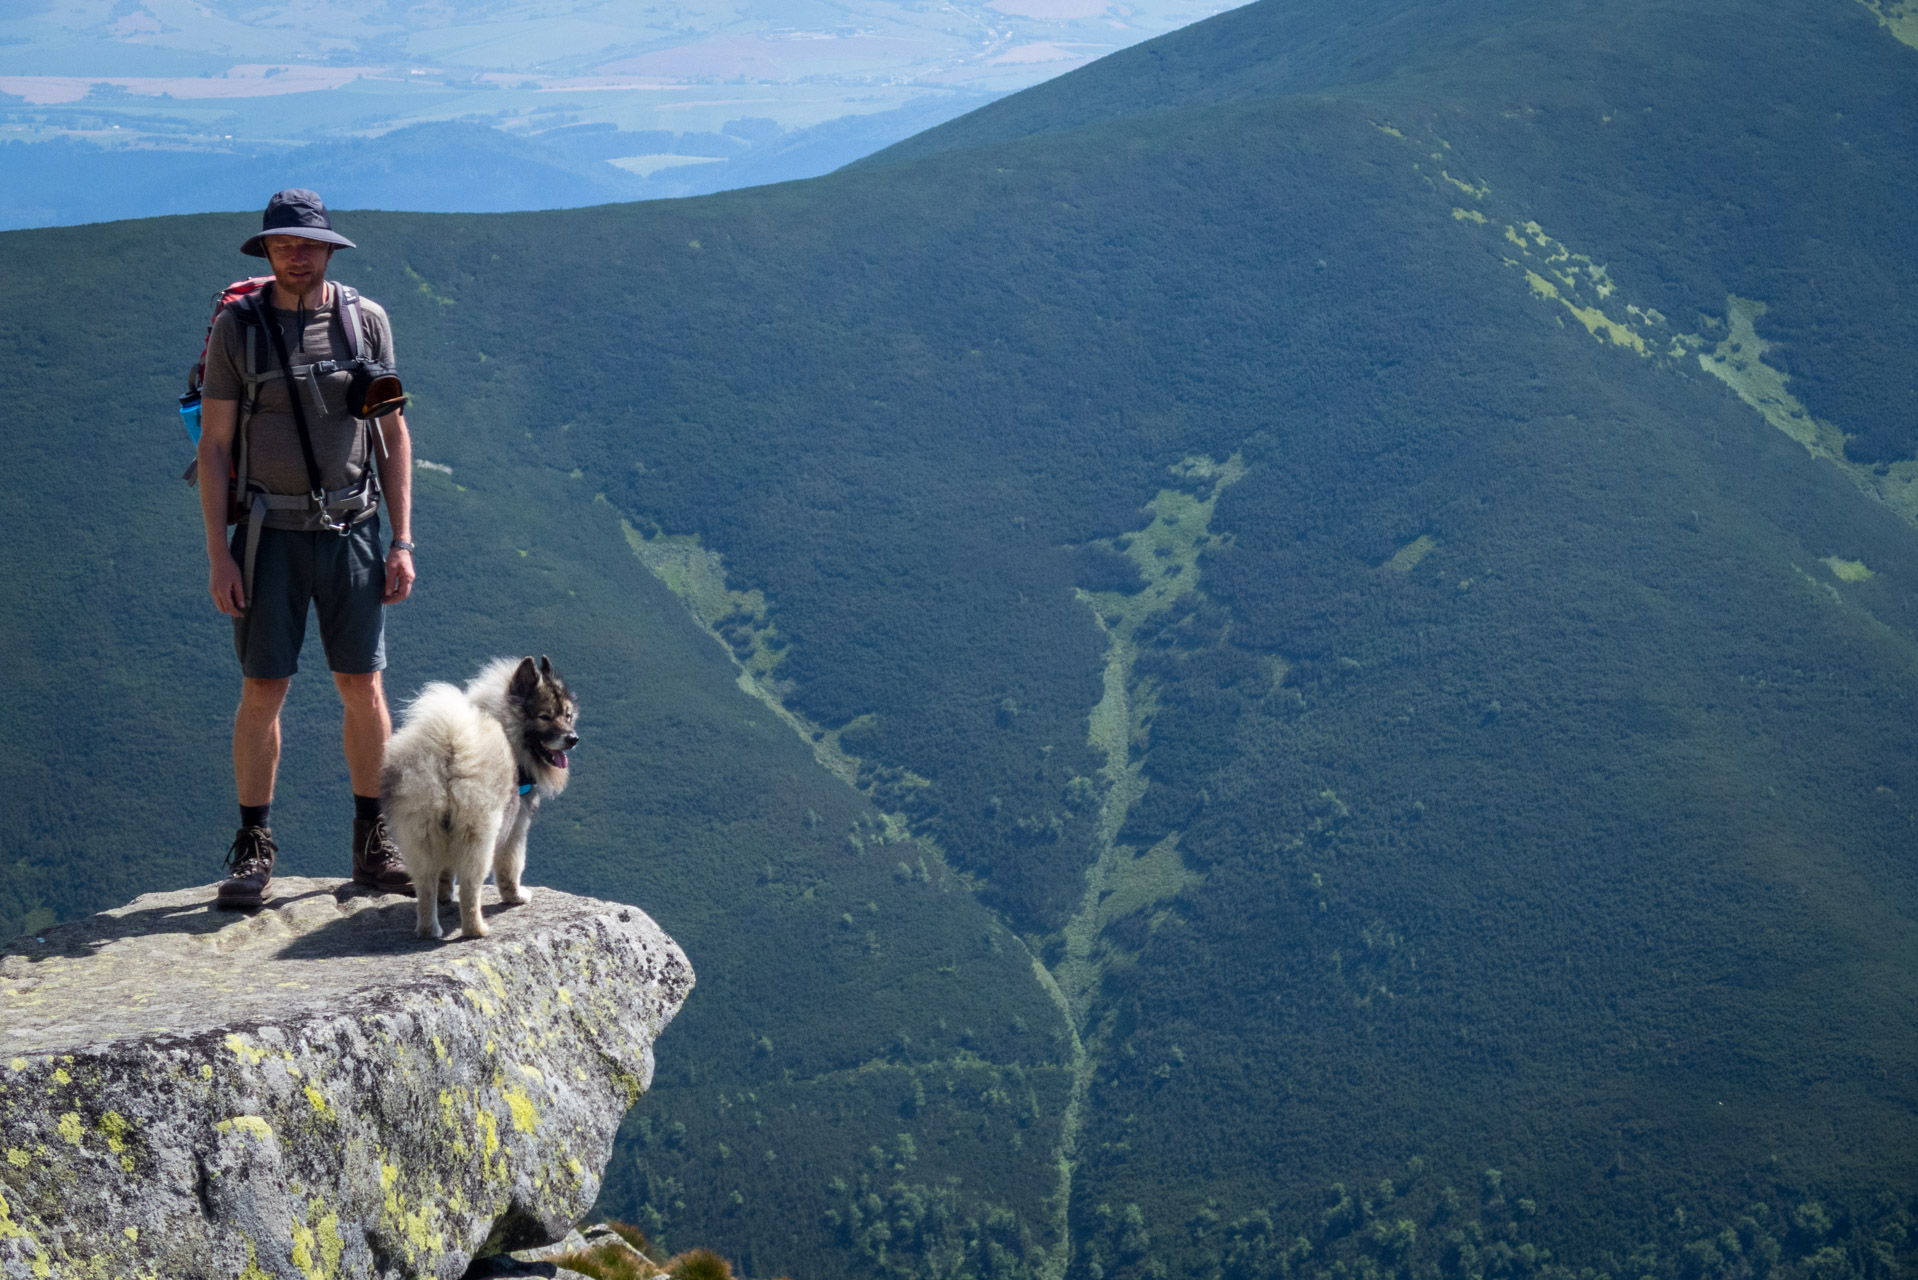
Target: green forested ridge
<point>1271,524</point>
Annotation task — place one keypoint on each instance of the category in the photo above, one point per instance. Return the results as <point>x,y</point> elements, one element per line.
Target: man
<point>309,531</point>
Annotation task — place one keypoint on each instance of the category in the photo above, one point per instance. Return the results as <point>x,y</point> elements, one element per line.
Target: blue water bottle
<point>190,415</point>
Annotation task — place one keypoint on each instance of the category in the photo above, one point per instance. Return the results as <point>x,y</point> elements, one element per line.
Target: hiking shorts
<point>294,571</point>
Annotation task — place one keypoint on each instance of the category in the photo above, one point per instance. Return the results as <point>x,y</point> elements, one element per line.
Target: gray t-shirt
<point>274,461</point>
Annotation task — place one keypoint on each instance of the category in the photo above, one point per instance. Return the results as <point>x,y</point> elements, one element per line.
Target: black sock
<point>365,808</point>
<point>256,815</point>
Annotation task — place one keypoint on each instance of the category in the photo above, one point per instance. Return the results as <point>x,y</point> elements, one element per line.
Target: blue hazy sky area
<point>126,108</point>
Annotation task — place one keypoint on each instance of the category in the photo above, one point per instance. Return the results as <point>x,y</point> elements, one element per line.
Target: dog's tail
<point>439,714</point>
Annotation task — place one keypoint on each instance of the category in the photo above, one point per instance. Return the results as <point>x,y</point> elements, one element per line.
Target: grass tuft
<point>699,1264</point>
<point>633,1236</point>
<point>609,1260</point>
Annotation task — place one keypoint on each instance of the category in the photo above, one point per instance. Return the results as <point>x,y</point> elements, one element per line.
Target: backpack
<point>374,392</point>
<point>196,372</point>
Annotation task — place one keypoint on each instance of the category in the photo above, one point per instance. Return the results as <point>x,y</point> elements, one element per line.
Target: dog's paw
<point>430,933</point>
<point>478,929</point>
<point>516,895</point>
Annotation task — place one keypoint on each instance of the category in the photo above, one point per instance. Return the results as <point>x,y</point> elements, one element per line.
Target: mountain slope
<point>838,987</point>
<point>1389,564</point>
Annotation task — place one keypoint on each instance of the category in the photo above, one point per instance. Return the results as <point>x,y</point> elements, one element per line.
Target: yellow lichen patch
<point>206,1071</point>
<point>1847,570</point>
<point>69,1127</point>
<point>525,1115</point>
<point>1406,558</point>
<point>449,1100</point>
<point>131,1233</point>
<point>422,1239</point>
<point>60,1076</point>
<point>1468,215</point>
<point>18,1158</point>
<point>488,1125</point>
<point>18,1064</point>
<point>253,1269</point>
<point>630,1085</point>
<point>531,1073</point>
<point>8,1227</point>
<point>493,980</point>
<point>318,1102</point>
<point>332,1243</point>
<point>317,1247</point>
<point>480,1002</point>
<point>389,1174</point>
<point>565,996</point>
<point>304,1243</point>
<point>439,1049</point>
<point>245,1052</point>
<point>252,1125</point>
<point>115,1126</point>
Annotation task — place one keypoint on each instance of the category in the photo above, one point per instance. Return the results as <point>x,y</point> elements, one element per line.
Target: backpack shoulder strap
<point>352,320</point>
<point>353,324</point>
<point>250,314</point>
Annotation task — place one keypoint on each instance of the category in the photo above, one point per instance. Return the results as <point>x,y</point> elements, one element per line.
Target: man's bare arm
<point>218,422</point>
<point>394,457</point>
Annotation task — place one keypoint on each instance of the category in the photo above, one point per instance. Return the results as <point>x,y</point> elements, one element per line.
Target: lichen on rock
<point>310,1092</point>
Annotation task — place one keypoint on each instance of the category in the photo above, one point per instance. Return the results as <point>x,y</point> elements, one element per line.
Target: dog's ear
<point>545,667</point>
<point>525,681</point>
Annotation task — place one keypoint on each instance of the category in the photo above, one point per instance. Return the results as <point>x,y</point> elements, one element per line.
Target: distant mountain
<point>444,167</point>
<point>136,109</point>
<point>1290,656</point>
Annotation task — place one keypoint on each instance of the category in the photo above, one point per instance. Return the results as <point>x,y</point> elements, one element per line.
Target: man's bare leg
<point>256,738</point>
<point>367,726</point>
<point>376,863</point>
<point>256,760</point>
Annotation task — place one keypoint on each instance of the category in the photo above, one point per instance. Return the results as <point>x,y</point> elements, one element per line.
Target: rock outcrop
<point>312,1093</point>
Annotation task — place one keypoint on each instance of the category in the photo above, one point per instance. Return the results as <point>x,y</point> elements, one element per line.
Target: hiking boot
<point>250,859</point>
<point>377,865</point>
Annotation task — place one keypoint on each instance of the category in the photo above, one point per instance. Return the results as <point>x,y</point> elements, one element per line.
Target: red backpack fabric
<point>196,373</point>
<point>221,301</point>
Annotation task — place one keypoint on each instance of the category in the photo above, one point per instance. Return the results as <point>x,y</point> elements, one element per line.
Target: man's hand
<point>399,576</point>
<point>226,586</point>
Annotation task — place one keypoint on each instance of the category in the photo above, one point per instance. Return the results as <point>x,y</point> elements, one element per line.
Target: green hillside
<point>1375,543</point>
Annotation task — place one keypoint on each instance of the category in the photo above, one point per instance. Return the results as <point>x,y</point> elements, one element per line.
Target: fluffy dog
<point>464,776</point>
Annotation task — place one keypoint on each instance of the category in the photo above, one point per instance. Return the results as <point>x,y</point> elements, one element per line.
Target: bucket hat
<point>295,212</point>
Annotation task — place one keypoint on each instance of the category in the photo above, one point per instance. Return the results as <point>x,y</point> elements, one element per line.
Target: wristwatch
<point>400,544</point>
